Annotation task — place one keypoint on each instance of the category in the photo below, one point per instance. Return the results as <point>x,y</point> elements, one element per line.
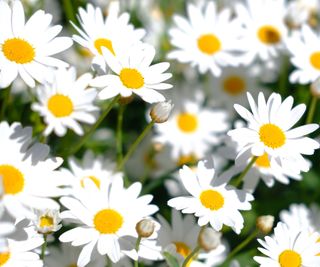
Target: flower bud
<point>315,88</point>
<point>145,228</point>
<point>160,112</point>
<point>209,239</point>
<point>265,224</point>
<point>47,222</point>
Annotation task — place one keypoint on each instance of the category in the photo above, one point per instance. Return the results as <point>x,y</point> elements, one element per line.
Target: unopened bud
<point>265,224</point>
<point>145,228</point>
<point>315,88</point>
<point>47,221</point>
<point>160,112</point>
<point>209,239</point>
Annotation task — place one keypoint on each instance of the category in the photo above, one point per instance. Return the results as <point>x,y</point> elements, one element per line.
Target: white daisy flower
<point>98,32</point>
<point>180,239</point>
<point>212,201</point>
<point>28,174</point>
<point>105,217</point>
<point>27,47</point>
<point>305,49</point>
<point>264,28</point>
<point>289,249</point>
<point>66,101</point>
<point>269,131</point>
<point>47,221</point>
<point>133,74</point>
<point>207,39</point>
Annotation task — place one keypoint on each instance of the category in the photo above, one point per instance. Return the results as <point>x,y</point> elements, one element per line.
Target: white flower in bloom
<point>212,201</point>
<point>133,74</point>
<point>98,33</point>
<point>269,131</point>
<point>105,217</point>
<point>305,49</point>
<point>289,249</point>
<point>207,39</point>
<point>264,29</point>
<point>66,101</point>
<point>26,48</point>
<point>28,174</point>
<point>47,221</point>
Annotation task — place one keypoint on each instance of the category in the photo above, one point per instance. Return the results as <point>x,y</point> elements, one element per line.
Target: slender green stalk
<point>119,134</point>
<point>5,102</point>
<point>85,137</point>
<point>109,262</point>
<point>43,247</point>
<point>190,256</point>
<point>136,263</point>
<point>245,171</point>
<point>134,145</point>
<point>283,79</point>
<point>68,9</point>
<point>312,109</point>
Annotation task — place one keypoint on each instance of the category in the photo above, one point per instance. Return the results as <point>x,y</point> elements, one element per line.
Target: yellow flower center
<point>18,51</point>
<point>269,35</point>
<point>60,105</point>
<point>94,179</point>
<point>190,159</point>
<point>290,258</point>
<point>263,161</point>
<point>46,221</point>
<point>102,42</point>
<point>183,249</point>
<point>108,221</point>
<point>12,179</point>
<point>4,257</point>
<point>234,85</point>
<point>187,122</point>
<point>272,136</point>
<point>315,60</point>
<point>209,44</point>
<point>212,199</point>
<point>131,78</point>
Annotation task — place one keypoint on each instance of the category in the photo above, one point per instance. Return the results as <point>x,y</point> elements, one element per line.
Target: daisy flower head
<point>47,221</point>
<point>105,217</point>
<point>27,47</point>
<point>288,248</point>
<point>269,131</point>
<point>304,47</point>
<point>29,175</point>
<point>66,101</point>
<point>206,39</point>
<point>133,74</point>
<point>97,32</point>
<point>264,30</point>
<point>212,201</point>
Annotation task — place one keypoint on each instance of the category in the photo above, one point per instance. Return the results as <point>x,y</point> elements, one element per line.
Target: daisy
<point>269,131</point>
<point>289,249</point>
<point>47,221</point>
<point>98,32</point>
<point>305,49</point>
<point>105,217</point>
<point>212,201</point>
<point>133,74</point>
<point>29,176</point>
<point>26,48</point>
<point>66,101</point>
<point>264,28</point>
<point>207,39</point>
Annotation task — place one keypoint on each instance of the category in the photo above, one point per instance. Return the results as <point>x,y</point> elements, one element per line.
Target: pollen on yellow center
<point>209,44</point>
<point>183,249</point>
<point>272,136</point>
<point>60,105</point>
<point>4,257</point>
<point>234,85</point>
<point>290,258</point>
<point>269,35</point>
<point>108,221</point>
<point>102,42</point>
<point>263,161</point>
<point>131,78</point>
<point>315,60</point>
<point>46,221</point>
<point>12,179</point>
<point>94,179</point>
<point>212,199</point>
<point>187,122</point>
<point>18,51</point>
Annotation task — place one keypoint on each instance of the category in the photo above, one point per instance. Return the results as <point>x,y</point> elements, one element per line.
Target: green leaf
<point>171,260</point>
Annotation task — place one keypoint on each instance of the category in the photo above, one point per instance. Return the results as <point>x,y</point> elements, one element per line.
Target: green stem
<point>245,171</point>
<point>109,262</point>
<point>68,9</point>
<point>5,102</point>
<point>43,247</point>
<point>312,109</point>
<point>283,79</point>
<point>84,138</point>
<point>134,145</point>
<point>136,263</point>
<point>119,134</point>
<point>190,256</point>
